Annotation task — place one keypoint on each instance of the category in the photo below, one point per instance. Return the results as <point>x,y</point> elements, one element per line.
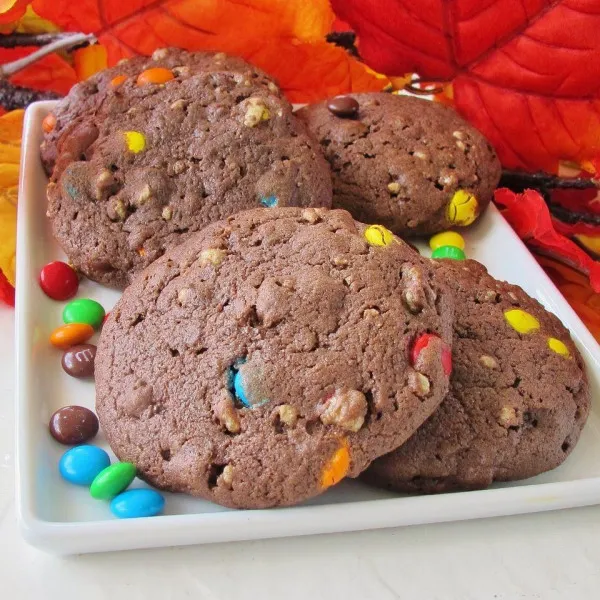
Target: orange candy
<point>49,123</point>
<point>65,336</point>
<point>337,467</point>
<point>155,75</point>
<point>118,80</point>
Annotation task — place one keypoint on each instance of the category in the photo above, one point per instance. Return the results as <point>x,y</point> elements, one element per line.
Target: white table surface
<point>545,556</point>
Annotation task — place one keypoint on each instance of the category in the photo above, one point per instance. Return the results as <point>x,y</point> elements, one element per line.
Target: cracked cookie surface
<point>168,159</point>
<point>518,396</point>
<point>412,165</point>
<point>270,355</point>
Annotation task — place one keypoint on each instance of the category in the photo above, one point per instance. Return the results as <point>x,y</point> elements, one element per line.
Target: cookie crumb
<point>167,213</point>
<point>144,195</point>
<point>459,135</point>
<point>212,256</point>
<point>178,104</point>
<point>508,417</point>
<point>227,475</point>
<point>159,54</point>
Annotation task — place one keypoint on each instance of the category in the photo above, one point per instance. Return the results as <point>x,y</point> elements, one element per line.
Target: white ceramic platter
<point>64,519</point>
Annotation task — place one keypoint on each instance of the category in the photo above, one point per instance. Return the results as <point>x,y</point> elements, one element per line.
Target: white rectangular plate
<point>64,519</point>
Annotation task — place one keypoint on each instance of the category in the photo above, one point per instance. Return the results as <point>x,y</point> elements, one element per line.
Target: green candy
<point>84,310</point>
<point>448,252</point>
<point>112,481</point>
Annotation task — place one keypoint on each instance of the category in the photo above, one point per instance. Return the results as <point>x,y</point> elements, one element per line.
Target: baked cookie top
<point>412,165</point>
<point>168,159</point>
<point>70,120</point>
<point>518,399</point>
<point>271,355</point>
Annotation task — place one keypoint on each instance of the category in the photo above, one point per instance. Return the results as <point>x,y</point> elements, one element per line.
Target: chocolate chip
<point>78,361</point>
<point>343,106</point>
<point>73,425</point>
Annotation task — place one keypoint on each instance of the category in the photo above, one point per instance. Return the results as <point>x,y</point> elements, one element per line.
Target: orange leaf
<point>49,73</point>
<point>525,72</point>
<point>12,10</point>
<point>89,60</point>
<point>576,289</point>
<point>278,35</point>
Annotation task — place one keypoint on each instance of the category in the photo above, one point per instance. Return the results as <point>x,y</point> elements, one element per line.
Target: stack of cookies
<point>267,346</point>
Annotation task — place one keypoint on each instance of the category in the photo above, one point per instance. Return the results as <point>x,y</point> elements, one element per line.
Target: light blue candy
<point>81,464</point>
<point>137,503</point>
<point>238,388</point>
<point>269,201</point>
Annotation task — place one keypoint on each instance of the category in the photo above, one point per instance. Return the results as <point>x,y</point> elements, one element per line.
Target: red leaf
<point>530,218</point>
<point>49,73</point>
<point>525,72</point>
<point>7,291</point>
<point>278,35</point>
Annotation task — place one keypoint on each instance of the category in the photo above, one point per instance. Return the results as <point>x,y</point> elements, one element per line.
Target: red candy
<point>59,281</point>
<point>421,343</point>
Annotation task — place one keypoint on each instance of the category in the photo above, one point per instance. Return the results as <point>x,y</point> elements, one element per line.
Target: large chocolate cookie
<point>169,159</point>
<point>71,124</point>
<point>412,165</point>
<point>518,395</point>
<point>269,356</point>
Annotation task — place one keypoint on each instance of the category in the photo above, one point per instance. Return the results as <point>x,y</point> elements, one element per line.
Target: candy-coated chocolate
<point>49,123</point>
<point>84,310</point>
<point>240,392</point>
<point>71,334</point>
<point>136,141</point>
<point>73,425</point>
<point>337,467</point>
<point>463,208</point>
<point>155,75</point>
<point>378,235</point>
<point>447,238</point>
<point>451,252</point>
<point>269,201</point>
<point>137,503</point>
<point>112,480</point>
<point>559,347</point>
<point>118,80</point>
<point>58,280</point>
<point>80,465</point>
<point>421,343</point>
<point>343,106</point>
<point>521,321</point>
<point>78,361</point>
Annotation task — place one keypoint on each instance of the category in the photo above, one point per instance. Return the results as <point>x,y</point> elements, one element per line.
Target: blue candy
<point>137,503</point>
<point>81,464</point>
<point>238,388</point>
<point>269,201</point>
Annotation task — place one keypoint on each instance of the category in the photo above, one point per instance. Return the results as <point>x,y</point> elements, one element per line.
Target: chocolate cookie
<point>168,159</point>
<point>518,396</point>
<point>71,121</point>
<point>412,165</point>
<point>271,355</point>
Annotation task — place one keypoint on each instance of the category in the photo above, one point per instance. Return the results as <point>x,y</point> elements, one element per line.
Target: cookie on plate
<point>169,159</point>
<point>412,165</point>
<point>70,128</point>
<point>518,396</point>
<point>271,355</point>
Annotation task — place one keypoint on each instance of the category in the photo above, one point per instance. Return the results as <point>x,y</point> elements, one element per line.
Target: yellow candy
<point>337,467</point>
<point>135,141</point>
<point>521,321</point>
<point>447,238</point>
<point>558,347</point>
<point>378,235</point>
<point>462,209</point>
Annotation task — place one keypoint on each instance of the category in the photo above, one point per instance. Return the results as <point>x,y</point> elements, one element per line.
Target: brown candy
<point>343,106</point>
<point>73,425</point>
<point>78,361</point>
